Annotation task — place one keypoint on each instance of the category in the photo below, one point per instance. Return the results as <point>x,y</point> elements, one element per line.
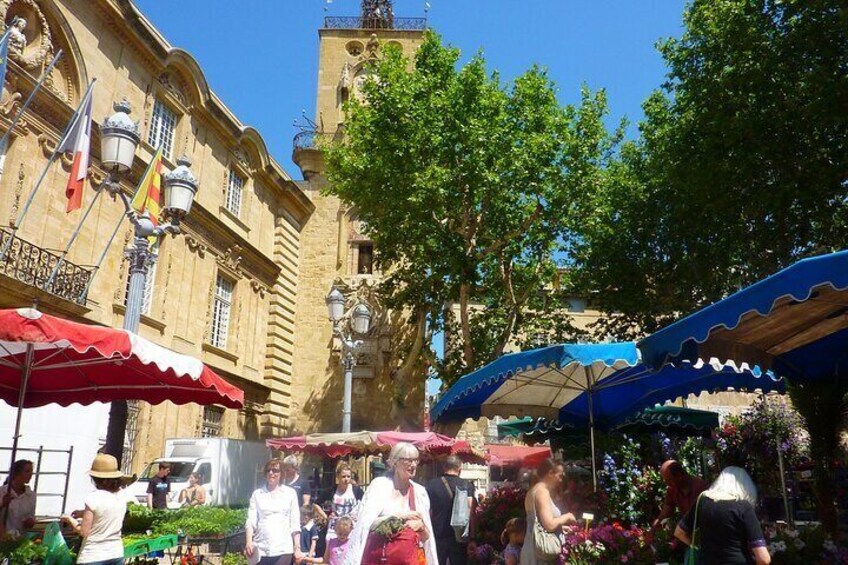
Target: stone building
<point>335,253</point>
<point>226,289</point>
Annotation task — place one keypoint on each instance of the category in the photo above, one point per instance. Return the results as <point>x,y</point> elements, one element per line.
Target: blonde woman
<point>728,528</point>
<point>345,498</point>
<point>394,499</point>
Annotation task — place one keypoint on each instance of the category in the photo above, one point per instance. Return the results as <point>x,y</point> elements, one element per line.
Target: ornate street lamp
<point>359,324</point>
<point>118,141</point>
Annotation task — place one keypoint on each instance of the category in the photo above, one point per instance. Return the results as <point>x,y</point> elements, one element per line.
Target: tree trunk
<point>822,404</point>
<point>465,325</point>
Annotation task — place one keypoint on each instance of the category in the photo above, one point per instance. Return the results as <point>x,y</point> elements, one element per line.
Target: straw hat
<point>105,467</point>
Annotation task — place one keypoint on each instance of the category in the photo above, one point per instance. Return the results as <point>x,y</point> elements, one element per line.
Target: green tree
<point>467,187</point>
<point>741,167</point>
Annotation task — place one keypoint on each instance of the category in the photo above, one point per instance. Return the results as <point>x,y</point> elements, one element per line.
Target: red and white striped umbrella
<point>45,359</point>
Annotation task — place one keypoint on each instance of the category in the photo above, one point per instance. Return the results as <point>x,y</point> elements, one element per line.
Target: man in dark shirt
<point>681,493</point>
<point>292,478</point>
<point>159,487</point>
<point>441,491</point>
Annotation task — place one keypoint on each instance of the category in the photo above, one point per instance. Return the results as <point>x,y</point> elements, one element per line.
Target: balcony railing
<point>33,265</point>
<point>313,139</point>
<point>358,22</point>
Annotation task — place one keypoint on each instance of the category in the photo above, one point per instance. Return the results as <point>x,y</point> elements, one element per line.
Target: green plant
<point>234,559</point>
<point>21,550</point>
<point>196,521</point>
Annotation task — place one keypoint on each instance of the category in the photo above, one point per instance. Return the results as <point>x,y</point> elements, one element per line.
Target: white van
<point>230,469</point>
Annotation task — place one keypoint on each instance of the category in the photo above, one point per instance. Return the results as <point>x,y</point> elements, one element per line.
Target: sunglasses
<point>275,471</point>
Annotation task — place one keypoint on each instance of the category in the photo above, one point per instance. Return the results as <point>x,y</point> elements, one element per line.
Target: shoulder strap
<point>447,487</point>
<point>411,496</point>
<point>695,524</point>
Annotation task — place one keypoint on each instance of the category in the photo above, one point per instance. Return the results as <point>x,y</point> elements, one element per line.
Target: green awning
<point>676,417</point>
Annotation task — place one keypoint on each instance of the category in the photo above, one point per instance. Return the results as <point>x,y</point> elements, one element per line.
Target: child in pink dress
<point>337,546</point>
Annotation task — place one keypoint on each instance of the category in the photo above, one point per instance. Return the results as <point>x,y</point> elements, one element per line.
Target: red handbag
<point>402,548</point>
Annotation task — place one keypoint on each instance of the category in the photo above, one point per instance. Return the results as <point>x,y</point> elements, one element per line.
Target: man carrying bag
<point>450,510</point>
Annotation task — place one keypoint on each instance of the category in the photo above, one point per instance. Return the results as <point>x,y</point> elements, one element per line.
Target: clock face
<point>359,81</point>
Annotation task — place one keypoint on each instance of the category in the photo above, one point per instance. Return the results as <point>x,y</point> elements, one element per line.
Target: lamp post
<point>359,323</point>
<point>119,139</point>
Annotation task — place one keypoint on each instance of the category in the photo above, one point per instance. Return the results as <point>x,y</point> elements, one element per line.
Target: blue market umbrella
<point>793,323</point>
<point>583,384</point>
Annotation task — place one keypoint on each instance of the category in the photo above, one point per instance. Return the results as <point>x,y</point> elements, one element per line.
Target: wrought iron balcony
<point>358,22</point>
<point>33,265</point>
<point>314,139</point>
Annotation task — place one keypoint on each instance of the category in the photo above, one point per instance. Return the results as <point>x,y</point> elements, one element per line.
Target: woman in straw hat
<point>103,516</point>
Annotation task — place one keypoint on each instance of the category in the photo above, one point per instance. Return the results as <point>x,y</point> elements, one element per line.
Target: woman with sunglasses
<point>273,521</point>
<point>398,504</point>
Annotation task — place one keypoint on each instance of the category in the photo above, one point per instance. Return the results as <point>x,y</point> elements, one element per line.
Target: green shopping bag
<point>58,552</point>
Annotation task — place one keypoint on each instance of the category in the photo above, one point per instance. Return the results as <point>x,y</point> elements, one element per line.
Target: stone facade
<point>335,253</point>
<point>244,228</point>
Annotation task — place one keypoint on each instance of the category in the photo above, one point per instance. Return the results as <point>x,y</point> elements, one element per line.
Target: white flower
<point>799,544</point>
<point>829,545</point>
<point>772,548</point>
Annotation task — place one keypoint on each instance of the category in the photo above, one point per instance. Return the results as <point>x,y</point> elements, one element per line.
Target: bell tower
<point>335,252</point>
<point>348,44</point>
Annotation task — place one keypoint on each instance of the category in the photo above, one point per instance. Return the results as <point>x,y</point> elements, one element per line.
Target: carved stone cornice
<point>232,251</point>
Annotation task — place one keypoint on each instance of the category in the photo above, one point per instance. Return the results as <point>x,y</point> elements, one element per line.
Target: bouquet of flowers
<point>611,543</point>
<point>388,527</point>
<point>499,506</point>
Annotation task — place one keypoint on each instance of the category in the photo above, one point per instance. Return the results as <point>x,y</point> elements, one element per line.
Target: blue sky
<point>261,56</point>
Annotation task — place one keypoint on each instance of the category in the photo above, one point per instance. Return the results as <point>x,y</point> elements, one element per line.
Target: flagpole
<point>20,114</point>
<point>72,240</point>
<point>102,257</point>
<point>34,190</point>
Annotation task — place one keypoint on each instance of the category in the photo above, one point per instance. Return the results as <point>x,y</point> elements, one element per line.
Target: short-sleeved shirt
<point>159,487</point>
<point>104,541</point>
<point>682,500</point>
<point>308,532</point>
<point>343,504</point>
<point>441,503</point>
<point>728,531</point>
<point>300,487</point>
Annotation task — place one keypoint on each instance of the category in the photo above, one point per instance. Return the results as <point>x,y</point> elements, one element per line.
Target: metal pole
<point>84,292</point>
<point>789,518</point>
<point>67,477</point>
<point>43,76</point>
<point>592,443</point>
<point>27,370</point>
<point>38,467</point>
<point>71,241</point>
<point>140,258</point>
<point>348,385</point>
<point>19,220</point>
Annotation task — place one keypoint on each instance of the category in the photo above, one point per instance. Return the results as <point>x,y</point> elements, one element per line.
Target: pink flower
<point>624,559</point>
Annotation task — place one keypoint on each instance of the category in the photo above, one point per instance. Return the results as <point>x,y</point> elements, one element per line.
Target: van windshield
<point>179,471</point>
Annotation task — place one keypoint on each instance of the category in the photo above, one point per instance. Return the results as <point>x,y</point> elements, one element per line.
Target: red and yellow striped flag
<point>147,194</point>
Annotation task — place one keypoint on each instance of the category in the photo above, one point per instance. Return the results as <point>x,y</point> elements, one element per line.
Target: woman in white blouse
<point>273,521</point>
<point>17,501</point>
<point>394,495</point>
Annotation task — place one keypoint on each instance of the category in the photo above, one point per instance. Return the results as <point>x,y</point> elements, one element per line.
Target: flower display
<point>500,505</point>
<point>751,440</point>
<point>606,544</point>
<point>633,492</point>
<point>809,545</point>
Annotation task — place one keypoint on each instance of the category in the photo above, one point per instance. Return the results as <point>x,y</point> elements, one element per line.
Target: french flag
<point>78,142</point>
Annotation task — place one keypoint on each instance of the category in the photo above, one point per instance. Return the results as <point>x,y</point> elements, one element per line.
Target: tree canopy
<point>740,169</point>
<point>470,191</point>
